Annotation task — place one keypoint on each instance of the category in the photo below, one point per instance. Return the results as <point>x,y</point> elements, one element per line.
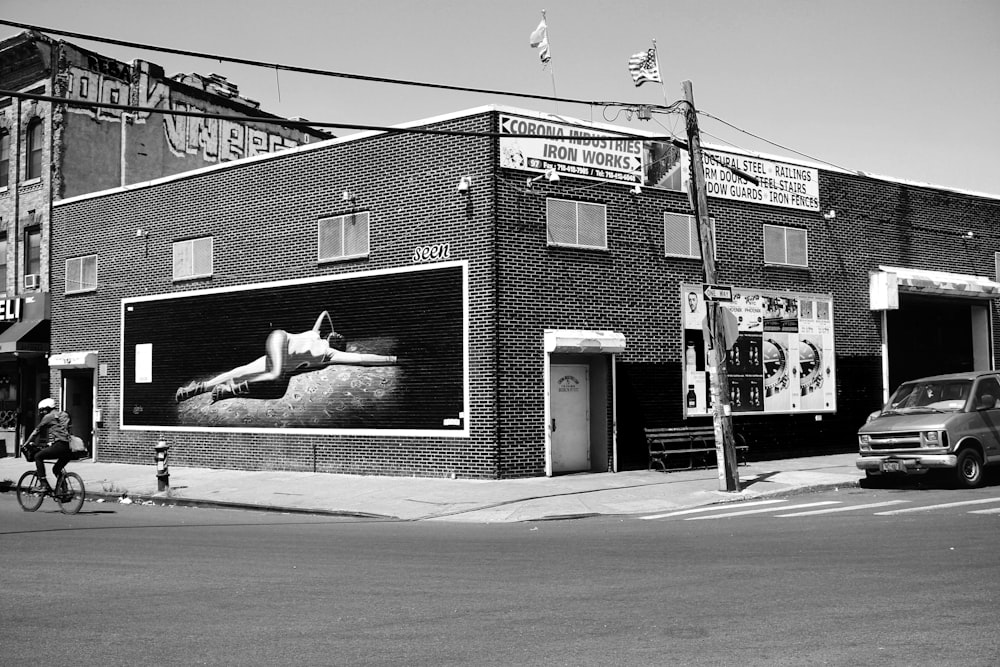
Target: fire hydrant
<point>162,471</point>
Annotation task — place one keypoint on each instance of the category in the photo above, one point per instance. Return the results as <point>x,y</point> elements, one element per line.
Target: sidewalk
<point>477,501</point>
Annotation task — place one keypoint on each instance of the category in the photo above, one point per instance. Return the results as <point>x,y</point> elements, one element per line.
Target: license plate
<point>892,466</point>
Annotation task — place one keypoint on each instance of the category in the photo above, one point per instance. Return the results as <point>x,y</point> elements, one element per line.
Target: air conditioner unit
<point>32,281</point>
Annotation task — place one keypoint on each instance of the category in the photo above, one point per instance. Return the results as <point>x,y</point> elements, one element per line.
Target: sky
<point>907,89</point>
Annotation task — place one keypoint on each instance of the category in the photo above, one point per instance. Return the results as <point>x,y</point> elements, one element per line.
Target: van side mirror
<point>987,402</point>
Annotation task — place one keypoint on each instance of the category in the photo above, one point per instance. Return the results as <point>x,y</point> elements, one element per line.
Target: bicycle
<point>69,491</point>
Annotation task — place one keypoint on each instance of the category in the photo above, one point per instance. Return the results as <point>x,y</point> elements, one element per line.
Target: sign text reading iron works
<point>570,150</point>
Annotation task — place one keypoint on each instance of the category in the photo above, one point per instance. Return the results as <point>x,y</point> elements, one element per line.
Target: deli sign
<point>10,310</point>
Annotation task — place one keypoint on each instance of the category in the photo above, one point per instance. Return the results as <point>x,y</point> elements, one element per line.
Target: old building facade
<point>49,151</point>
<point>516,295</point>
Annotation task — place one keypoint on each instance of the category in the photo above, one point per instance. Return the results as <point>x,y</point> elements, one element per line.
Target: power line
<point>305,70</point>
<point>277,120</point>
<point>786,148</point>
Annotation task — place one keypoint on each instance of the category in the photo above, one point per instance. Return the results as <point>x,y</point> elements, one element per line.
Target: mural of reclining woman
<point>287,354</point>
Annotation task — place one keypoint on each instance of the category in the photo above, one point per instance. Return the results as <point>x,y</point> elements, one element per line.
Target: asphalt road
<point>126,585</point>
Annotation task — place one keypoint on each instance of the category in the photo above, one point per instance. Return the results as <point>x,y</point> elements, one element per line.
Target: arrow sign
<point>718,292</point>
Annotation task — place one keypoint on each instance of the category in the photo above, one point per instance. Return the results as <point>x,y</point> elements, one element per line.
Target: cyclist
<point>53,428</point>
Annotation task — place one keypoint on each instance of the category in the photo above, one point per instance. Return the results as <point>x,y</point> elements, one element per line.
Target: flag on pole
<point>540,41</point>
<point>644,67</point>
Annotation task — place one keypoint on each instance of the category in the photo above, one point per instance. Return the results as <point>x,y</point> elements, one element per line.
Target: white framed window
<point>996,265</point>
<point>785,245</point>
<point>680,236</point>
<point>343,237</point>
<point>577,224</point>
<point>193,258</point>
<point>81,274</point>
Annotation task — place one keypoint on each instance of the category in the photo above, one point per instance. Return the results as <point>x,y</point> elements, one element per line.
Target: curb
<point>169,501</point>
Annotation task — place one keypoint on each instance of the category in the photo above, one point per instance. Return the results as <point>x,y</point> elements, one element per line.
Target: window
<point>193,258</point>
<point>34,150</point>
<point>3,261</point>
<point>577,224</point>
<point>343,236</point>
<point>81,274</point>
<point>33,250</point>
<point>996,264</point>
<point>785,245</point>
<point>4,158</point>
<point>680,235</point>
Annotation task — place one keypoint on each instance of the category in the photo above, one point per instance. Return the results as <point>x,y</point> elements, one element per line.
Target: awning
<point>584,341</point>
<point>25,336</point>
<point>886,284</point>
<point>74,360</point>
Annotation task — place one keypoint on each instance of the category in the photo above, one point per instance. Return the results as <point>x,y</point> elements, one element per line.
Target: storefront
<point>24,377</point>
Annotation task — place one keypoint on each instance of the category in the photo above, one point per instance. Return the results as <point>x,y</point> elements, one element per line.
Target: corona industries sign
<point>568,150</point>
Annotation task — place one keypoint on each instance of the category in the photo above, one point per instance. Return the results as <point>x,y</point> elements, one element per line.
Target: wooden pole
<point>725,449</point>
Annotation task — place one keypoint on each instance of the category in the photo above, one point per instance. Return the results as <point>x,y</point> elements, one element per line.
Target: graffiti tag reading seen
<point>424,253</point>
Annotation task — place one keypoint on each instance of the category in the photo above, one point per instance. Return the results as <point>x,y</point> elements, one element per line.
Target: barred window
<point>193,258</point>
<point>577,224</point>
<point>680,235</point>
<point>81,274</point>
<point>785,245</point>
<point>343,237</point>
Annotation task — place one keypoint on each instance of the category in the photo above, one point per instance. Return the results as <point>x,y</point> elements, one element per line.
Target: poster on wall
<point>781,362</point>
<point>381,352</point>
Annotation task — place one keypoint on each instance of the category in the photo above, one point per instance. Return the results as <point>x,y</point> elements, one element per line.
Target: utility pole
<point>725,449</point>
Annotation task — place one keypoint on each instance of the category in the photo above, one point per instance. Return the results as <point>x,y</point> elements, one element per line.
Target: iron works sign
<point>569,149</point>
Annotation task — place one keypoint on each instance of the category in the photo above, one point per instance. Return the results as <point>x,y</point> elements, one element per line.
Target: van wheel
<point>969,471</point>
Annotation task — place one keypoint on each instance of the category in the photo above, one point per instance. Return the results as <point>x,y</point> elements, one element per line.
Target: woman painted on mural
<point>286,354</point>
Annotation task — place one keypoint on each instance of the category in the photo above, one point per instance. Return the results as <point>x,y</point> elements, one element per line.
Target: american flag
<point>643,67</point>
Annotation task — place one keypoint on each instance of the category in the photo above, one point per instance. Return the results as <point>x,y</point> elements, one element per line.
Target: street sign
<point>718,292</point>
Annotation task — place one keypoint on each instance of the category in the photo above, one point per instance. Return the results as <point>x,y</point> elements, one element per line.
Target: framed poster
<point>782,360</point>
<point>376,352</point>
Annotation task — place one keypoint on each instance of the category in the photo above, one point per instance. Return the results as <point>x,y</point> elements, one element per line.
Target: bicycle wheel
<point>29,492</point>
<point>70,494</point>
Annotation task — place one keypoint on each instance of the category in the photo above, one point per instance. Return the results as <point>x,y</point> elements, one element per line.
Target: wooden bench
<point>690,444</point>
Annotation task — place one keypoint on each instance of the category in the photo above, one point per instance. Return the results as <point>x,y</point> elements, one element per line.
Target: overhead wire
<point>295,68</point>
<point>629,108</point>
<point>278,120</point>
<point>768,141</point>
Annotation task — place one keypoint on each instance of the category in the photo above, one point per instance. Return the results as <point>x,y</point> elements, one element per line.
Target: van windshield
<point>937,396</point>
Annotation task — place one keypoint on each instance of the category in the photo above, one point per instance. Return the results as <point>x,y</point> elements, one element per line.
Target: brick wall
<point>262,215</point>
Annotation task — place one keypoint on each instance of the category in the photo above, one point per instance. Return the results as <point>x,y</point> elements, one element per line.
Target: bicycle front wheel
<point>70,494</point>
<point>29,491</point>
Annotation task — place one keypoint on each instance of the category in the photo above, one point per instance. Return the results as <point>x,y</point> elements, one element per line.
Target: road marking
<point>849,508</point>
<point>992,510</point>
<point>710,508</point>
<point>758,511</point>
<point>981,501</point>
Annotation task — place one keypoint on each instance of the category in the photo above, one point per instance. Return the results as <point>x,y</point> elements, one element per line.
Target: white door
<point>570,413</point>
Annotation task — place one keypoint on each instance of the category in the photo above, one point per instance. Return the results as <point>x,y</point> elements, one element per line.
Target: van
<point>945,422</point>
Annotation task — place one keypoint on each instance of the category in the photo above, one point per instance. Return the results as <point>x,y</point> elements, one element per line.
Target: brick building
<point>50,151</point>
<point>512,295</point>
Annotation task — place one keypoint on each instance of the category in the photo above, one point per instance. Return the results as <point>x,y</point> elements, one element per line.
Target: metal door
<point>570,412</point>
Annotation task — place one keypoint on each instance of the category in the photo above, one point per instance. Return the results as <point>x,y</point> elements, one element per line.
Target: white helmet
<point>46,404</point>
